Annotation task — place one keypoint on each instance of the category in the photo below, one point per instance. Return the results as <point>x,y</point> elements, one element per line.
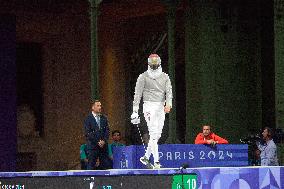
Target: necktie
<point>98,121</point>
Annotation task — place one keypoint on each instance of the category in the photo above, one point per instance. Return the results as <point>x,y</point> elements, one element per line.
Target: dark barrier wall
<point>8,119</point>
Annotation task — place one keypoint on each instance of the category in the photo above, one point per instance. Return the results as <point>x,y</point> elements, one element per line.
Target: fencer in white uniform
<point>155,87</point>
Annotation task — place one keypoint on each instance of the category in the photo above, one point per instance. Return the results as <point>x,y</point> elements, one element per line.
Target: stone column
<point>190,70</point>
<point>279,61</point>
<point>94,6</point>
<point>171,11</point>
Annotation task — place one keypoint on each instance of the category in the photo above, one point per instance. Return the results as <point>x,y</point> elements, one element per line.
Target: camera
<point>251,139</point>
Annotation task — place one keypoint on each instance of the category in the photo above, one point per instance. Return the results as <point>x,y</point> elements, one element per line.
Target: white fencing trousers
<point>155,117</point>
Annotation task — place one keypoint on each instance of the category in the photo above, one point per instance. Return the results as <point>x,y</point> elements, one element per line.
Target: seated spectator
<point>208,137</point>
<point>268,151</point>
<point>116,137</point>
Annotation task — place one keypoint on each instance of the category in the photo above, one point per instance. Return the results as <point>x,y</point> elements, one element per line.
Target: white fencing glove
<point>135,119</point>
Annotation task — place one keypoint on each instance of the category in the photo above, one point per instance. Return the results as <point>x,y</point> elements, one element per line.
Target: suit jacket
<point>93,132</point>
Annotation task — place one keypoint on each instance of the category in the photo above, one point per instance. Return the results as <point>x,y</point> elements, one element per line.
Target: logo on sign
<point>202,155</point>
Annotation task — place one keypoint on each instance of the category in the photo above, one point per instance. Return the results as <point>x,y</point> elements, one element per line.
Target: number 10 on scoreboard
<point>186,181</point>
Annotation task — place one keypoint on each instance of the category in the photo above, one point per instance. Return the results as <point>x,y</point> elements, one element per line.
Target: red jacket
<point>200,139</point>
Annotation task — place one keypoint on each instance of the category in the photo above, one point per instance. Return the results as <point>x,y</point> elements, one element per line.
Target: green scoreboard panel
<point>184,181</point>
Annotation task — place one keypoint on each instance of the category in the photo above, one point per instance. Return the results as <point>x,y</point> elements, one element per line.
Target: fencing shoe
<point>145,161</point>
<point>157,165</point>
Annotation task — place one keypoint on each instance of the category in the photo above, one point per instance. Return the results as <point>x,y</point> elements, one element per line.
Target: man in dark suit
<point>97,133</point>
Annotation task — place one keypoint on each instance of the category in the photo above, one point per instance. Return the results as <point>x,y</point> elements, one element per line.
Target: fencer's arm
<point>138,92</point>
<point>169,93</point>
